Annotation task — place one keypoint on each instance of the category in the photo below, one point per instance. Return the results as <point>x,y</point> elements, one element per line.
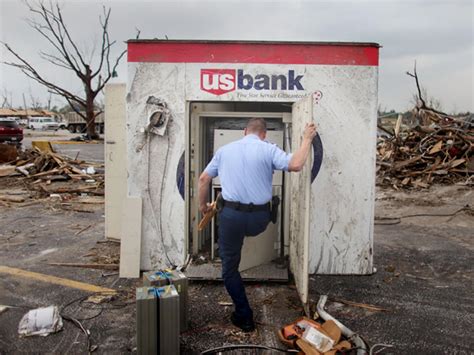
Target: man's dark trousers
<point>234,225</point>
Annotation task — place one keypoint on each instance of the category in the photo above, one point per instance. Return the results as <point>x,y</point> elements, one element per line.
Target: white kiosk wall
<point>180,72</point>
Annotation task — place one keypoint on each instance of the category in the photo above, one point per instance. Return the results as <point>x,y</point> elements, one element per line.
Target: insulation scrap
<point>41,321</point>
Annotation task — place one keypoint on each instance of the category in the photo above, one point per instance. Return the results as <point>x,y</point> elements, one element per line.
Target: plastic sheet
<point>41,321</point>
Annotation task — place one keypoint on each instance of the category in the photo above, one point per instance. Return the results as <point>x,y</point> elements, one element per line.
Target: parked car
<point>10,132</point>
<point>43,123</point>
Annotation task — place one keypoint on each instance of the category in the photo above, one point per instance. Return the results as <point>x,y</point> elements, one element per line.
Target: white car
<point>43,123</point>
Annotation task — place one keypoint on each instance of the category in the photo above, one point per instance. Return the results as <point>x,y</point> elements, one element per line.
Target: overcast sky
<point>438,34</point>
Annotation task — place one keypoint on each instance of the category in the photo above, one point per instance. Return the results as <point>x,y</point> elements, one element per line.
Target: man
<point>245,168</point>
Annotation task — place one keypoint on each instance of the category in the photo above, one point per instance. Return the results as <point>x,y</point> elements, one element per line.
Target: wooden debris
<point>361,305</point>
<point>439,153</point>
<point>83,230</point>
<point>10,198</point>
<point>90,200</point>
<point>99,298</point>
<point>225,304</point>
<point>6,170</point>
<point>77,209</point>
<point>8,153</point>
<point>103,241</point>
<point>88,266</point>
<point>43,168</point>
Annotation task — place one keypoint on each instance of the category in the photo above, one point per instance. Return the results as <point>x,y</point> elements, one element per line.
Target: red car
<point>10,132</point>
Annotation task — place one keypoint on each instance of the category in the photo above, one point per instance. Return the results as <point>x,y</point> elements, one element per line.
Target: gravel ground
<point>423,280</point>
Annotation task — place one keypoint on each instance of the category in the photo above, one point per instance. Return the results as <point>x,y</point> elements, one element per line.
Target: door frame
<point>198,111</point>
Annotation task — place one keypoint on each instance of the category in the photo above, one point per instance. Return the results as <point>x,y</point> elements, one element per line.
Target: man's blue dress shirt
<point>245,168</point>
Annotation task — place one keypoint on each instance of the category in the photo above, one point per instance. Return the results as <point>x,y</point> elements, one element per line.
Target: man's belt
<point>246,207</point>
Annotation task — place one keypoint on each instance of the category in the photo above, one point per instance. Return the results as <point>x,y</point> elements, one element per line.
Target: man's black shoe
<point>246,325</point>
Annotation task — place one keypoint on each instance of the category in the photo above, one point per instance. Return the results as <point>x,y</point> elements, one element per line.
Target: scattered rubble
<point>439,153</point>
<point>39,169</point>
<point>437,150</point>
<point>7,153</point>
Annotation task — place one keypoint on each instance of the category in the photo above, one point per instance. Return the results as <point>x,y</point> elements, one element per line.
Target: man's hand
<point>309,131</point>
<point>205,208</point>
<point>299,157</point>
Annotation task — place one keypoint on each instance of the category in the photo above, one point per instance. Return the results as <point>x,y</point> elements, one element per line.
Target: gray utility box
<point>158,320</point>
<point>168,320</point>
<point>147,323</point>
<point>180,281</point>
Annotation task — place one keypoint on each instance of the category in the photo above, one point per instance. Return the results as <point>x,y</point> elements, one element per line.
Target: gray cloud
<point>438,34</point>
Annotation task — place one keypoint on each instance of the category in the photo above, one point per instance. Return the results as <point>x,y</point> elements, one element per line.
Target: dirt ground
<point>424,281</point>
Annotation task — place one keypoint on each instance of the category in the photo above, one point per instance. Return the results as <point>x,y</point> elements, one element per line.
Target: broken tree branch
<point>49,22</point>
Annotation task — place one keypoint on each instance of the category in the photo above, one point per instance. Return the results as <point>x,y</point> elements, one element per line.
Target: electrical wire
<point>161,196</point>
<point>398,220</point>
<point>80,299</point>
<point>78,324</point>
<point>77,321</point>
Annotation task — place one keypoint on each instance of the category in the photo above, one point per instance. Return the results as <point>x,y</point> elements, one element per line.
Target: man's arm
<point>299,157</point>
<point>203,191</point>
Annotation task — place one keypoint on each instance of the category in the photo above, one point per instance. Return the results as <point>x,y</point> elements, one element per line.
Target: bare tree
<point>49,22</point>
<point>7,99</point>
<point>427,109</point>
<point>35,102</point>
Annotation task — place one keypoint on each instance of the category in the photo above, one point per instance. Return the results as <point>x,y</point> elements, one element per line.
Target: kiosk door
<point>300,203</point>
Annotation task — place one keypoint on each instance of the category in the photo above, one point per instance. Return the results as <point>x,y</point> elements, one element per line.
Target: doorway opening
<point>210,126</point>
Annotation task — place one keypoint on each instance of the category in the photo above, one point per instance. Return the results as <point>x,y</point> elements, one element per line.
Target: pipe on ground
<point>349,334</point>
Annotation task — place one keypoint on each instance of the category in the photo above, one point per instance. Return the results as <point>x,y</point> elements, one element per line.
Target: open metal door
<point>302,114</point>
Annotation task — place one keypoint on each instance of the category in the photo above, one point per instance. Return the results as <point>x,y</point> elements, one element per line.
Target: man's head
<point>257,126</point>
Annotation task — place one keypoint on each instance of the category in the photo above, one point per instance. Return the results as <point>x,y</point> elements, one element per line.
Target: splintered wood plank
<point>130,245</point>
<point>6,170</point>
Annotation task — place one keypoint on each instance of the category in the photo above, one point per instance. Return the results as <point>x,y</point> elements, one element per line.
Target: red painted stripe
<point>271,53</point>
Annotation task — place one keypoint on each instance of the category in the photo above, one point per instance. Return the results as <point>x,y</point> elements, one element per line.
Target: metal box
<point>147,321</point>
<point>180,281</point>
<point>168,320</point>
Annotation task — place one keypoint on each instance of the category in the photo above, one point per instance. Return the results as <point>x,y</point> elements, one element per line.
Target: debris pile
<point>424,155</point>
<point>40,168</point>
